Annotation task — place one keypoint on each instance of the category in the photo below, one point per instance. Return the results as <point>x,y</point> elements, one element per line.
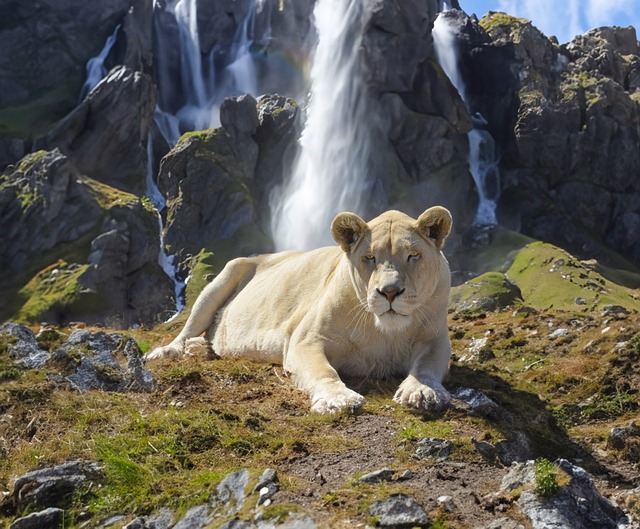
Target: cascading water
<point>190,97</point>
<point>483,160</point>
<point>335,144</point>
<point>95,66</point>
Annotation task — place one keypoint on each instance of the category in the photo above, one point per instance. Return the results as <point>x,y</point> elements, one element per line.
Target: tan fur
<point>374,306</point>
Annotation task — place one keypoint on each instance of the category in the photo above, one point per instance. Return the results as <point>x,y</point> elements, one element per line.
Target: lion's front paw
<point>335,399</point>
<point>417,395</point>
<point>173,350</point>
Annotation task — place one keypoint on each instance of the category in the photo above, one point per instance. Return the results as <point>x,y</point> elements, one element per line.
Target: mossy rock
<point>489,292</point>
<point>550,277</point>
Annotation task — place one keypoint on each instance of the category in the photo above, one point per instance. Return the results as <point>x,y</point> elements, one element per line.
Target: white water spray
<point>335,146</point>
<point>483,160</point>
<point>192,100</point>
<point>95,66</point>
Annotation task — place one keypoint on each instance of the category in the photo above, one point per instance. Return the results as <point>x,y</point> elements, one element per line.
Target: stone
<point>431,448</point>
<point>51,518</point>
<point>22,345</point>
<point>377,476</point>
<point>230,494</point>
<point>91,363</point>
<point>106,135</point>
<point>477,404</point>
<point>619,435</point>
<point>55,486</point>
<point>399,510</point>
<point>578,504</point>
<point>195,518</point>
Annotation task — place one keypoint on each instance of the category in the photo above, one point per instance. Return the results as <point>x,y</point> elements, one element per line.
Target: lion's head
<point>397,264</point>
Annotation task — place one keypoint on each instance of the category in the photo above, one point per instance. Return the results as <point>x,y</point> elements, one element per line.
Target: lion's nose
<point>390,293</point>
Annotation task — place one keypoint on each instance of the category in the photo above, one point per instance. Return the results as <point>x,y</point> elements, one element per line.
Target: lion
<point>373,306</point>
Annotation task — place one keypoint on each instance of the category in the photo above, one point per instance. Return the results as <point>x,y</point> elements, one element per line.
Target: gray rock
<point>230,494</point>
<point>620,434</point>
<point>477,404</point>
<point>377,476</point>
<point>55,486</point>
<point>162,520</point>
<point>577,505</point>
<point>431,448</point>
<point>22,345</point>
<point>268,477</point>
<point>91,360</point>
<point>399,510</point>
<point>195,518</point>
<point>51,518</point>
<point>106,135</point>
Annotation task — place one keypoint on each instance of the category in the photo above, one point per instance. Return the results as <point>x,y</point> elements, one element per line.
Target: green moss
<point>55,289</point>
<point>549,277</point>
<point>25,164</point>
<point>514,26</point>
<point>489,291</point>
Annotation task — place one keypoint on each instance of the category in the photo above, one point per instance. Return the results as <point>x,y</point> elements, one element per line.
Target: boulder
<point>577,504</point>
<point>54,486</point>
<point>399,510</point>
<point>51,518</point>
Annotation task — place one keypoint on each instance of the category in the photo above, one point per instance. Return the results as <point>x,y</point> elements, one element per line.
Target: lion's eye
<point>413,256</point>
<point>369,258</point>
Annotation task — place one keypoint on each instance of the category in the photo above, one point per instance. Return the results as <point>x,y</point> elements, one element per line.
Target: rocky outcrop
<point>213,179</point>
<point>106,135</point>
<point>45,80</point>
<point>83,249</point>
<point>567,120</point>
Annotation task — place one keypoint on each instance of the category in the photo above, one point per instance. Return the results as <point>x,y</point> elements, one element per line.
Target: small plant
<point>546,478</point>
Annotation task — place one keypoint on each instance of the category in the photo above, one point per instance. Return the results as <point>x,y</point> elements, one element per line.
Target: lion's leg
<point>211,299</point>
<point>312,372</point>
<point>423,387</point>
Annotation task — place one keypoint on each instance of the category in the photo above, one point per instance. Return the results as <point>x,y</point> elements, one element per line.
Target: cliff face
<point>565,120</point>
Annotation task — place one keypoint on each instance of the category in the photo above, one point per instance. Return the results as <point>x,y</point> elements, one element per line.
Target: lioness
<point>374,306</point>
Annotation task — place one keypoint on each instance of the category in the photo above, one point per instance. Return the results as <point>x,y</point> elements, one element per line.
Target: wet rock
<point>90,359</point>
<point>22,345</point>
<point>51,518</point>
<point>399,510</point>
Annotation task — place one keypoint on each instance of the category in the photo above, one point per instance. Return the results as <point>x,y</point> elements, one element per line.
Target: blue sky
<point>563,18</point>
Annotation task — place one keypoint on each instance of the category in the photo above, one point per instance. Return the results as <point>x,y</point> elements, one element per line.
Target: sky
<point>563,18</point>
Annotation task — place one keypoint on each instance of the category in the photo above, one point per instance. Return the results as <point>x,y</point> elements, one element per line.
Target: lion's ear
<point>346,229</point>
<point>435,223</point>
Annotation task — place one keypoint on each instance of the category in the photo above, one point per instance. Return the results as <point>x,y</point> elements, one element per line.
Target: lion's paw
<point>336,399</point>
<point>415,394</point>
<point>173,350</point>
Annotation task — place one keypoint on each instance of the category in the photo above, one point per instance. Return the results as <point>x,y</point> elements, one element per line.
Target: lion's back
<point>258,320</point>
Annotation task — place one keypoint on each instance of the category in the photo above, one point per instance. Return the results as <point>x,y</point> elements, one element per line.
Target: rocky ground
<point>185,443</point>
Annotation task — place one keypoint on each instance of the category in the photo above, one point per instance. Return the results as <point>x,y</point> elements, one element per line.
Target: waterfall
<point>335,146</point>
<point>483,159</point>
<point>190,97</point>
<point>95,66</point>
